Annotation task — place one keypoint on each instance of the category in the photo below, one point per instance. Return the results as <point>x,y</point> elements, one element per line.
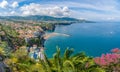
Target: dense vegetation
<point>46,26</point>
<point>9,37</point>
<point>14,55</point>
<point>20,62</point>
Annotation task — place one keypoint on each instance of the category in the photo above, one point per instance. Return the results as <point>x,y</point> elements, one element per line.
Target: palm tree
<point>70,63</point>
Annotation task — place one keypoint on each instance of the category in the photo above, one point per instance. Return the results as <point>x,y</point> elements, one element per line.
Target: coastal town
<point>27,32</point>
<point>59,35</point>
<point>30,36</point>
<point>22,50</point>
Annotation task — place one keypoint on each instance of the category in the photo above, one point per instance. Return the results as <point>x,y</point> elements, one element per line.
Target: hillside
<point>41,18</point>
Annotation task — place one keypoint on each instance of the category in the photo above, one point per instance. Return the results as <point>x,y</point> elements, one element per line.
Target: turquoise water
<point>92,38</point>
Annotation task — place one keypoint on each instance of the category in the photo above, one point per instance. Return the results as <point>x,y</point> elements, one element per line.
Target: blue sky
<point>108,10</point>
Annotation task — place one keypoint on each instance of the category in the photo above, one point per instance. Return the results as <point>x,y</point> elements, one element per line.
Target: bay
<point>92,38</point>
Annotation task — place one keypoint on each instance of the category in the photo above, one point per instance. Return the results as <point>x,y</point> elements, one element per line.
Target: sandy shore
<point>46,36</point>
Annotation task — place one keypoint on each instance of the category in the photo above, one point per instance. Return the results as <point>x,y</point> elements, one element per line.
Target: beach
<point>48,35</point>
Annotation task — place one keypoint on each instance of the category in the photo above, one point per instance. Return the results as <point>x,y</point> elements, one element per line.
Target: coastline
<point>52,34</point>
<point>47,36</point>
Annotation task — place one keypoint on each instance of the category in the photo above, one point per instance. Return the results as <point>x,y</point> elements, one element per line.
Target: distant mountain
<point>40,18</point>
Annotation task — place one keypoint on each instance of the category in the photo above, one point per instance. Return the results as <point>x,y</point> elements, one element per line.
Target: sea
<point>94,39</point>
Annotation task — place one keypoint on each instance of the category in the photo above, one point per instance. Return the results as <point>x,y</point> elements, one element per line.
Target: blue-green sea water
<point>92,38</point>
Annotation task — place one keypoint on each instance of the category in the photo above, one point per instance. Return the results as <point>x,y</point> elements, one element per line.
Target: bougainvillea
<point>110,58</point>
<point>115,50</point>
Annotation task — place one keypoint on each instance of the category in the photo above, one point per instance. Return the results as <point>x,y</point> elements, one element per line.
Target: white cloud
<point>12,12</point>
<point>37,9</point>
<point>95,16</point>
<point>91,10</point>
<point>102,5</point>
<point>3,4</point>
<point>14,4</point>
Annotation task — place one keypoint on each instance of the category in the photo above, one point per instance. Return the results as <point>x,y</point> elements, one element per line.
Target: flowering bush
<point>115,50</point>
<point>110,58</point>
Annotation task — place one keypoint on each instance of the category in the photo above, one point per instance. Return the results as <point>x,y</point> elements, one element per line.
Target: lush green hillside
<point>41,18</point>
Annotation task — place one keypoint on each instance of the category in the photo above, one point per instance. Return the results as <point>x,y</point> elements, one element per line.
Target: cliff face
<point>49,28</point>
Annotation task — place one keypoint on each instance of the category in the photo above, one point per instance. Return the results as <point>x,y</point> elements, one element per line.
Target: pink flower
<point>107,59</point>
<point>115,50</point>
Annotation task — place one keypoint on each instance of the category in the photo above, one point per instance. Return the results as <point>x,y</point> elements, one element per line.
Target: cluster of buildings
<point>28,31</point>
<point>36,52</point>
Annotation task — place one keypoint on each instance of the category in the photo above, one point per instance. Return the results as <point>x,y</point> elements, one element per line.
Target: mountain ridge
<point>41,18</point>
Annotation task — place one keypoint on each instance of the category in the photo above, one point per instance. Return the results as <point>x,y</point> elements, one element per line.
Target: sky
<point>97,10</point>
